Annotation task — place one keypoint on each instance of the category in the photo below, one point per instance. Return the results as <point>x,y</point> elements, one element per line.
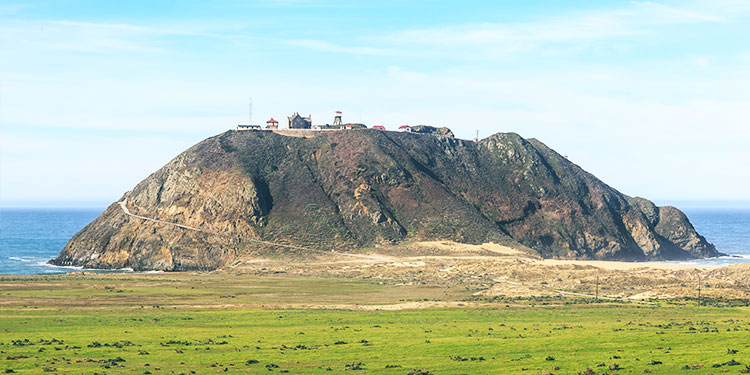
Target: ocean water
<point>727,228</point>
<point>31,237</point>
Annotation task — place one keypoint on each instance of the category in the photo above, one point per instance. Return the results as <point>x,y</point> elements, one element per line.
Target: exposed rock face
<point>349,189</point>
<point>426,129</point>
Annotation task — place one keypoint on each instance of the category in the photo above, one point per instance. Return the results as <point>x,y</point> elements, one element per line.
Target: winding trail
<point>124,207</point>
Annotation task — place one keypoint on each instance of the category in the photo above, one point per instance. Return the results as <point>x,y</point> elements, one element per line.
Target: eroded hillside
<point>342,190</point>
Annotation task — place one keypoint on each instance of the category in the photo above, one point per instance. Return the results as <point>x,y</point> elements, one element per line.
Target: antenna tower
<point>250,111</point>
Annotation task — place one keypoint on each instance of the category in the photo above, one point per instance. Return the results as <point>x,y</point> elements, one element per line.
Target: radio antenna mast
<point>250,111</point>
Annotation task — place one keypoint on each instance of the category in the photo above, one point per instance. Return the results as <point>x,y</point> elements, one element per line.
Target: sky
<point>652,97</point>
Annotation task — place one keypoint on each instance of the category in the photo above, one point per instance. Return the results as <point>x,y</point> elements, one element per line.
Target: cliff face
<point>347,189</point>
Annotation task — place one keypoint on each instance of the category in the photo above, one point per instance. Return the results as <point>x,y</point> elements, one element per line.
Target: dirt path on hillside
<point>126,211</point>
<point>124,207</point>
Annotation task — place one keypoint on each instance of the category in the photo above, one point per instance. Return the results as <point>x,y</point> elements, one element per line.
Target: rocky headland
<point>244,193</point>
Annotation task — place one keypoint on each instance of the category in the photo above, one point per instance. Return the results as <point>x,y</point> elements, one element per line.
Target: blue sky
<point>652,97</point>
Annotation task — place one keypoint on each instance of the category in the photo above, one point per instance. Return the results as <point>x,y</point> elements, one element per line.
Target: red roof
<point>403,126</point>
<point>338,111</point>
<point>272,121</point>
<point>379,127</point>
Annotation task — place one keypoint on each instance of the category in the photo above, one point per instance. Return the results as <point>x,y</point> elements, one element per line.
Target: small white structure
<point>248,127</point>
<point>348,126</point>
<point>319,127</point>
<point>404,128</point>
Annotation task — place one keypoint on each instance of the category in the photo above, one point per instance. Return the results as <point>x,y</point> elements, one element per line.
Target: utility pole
<point>597,286</point>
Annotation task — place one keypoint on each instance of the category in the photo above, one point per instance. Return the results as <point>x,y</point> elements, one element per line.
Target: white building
<point>248,127</point>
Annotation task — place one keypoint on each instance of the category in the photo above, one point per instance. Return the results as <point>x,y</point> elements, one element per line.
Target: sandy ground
<point>362,307</point>
<point>491,270</point>
<point>485,247</point>
<point>614,265</point>
<point>415,275</point>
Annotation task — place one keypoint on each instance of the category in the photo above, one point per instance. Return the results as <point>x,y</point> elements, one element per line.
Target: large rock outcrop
<point>348,189</point>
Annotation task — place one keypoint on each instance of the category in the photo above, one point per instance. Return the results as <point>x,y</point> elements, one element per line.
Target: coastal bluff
<point>258,192</point>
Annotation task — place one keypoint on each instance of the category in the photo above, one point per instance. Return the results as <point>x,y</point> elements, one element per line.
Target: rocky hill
<point>342,190</point>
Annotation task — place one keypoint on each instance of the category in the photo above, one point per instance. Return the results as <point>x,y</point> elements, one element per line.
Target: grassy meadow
<point>223,323</point>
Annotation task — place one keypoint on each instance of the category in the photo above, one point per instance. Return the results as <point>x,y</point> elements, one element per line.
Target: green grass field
<point>187,323</point>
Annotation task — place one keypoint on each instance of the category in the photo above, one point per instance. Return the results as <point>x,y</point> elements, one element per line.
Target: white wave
<point>54,266</point>
<point>25,260</point>
<point>50,271</point>
<point>717,261</point>
<point>43,263</point>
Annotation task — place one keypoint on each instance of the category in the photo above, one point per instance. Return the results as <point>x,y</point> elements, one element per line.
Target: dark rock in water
<point>347,189</point>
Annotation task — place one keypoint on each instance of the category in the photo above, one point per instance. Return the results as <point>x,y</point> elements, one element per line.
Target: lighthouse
<point>337,118</point>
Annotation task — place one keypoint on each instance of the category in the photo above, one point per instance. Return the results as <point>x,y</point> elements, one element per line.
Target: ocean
<point>727,228</point>
<point>31,237</point>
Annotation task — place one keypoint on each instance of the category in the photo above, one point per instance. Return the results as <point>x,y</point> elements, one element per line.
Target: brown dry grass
<point>496,270</point>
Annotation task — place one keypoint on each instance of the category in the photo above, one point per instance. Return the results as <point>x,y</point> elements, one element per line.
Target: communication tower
<point>250,111</point>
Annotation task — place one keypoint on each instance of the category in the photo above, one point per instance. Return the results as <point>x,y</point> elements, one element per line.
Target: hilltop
<point>240,193</point>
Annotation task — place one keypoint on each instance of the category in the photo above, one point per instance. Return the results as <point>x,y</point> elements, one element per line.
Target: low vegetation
<point>220,322</point>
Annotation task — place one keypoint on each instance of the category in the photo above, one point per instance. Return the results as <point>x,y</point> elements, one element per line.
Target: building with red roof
<point>272,124</point>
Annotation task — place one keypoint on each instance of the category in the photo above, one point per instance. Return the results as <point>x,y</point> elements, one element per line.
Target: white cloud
<point>656,13</point>
<point>42,37</point>
<point>11,9</point>
<point>488,40</point>
<point>324,46</point>
<point>702,62</point>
